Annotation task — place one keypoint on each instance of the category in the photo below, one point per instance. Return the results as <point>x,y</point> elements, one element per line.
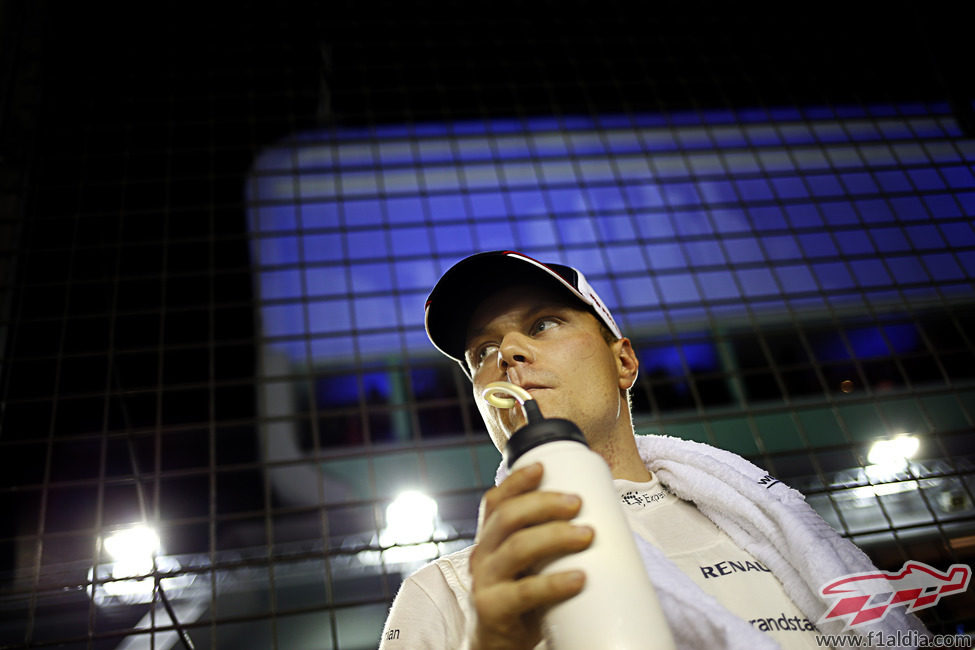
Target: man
<point>735,559</point>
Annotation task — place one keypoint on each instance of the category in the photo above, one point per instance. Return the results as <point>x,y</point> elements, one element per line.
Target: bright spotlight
<point>134,552</point>
<point>893,454</point>
<point>133,547</point>
<point>887,459</point>
<point>412,533</point>
<point>410,518</point>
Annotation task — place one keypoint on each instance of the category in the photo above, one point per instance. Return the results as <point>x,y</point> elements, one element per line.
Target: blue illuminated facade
<point>679,221</point>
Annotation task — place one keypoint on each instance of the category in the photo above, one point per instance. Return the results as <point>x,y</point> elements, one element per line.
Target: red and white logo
<point>867,597</point>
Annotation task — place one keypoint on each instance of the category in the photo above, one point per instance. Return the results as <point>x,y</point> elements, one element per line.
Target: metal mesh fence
<point>227,228</point>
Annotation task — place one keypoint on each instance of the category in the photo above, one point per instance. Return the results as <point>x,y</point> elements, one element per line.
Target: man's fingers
<point>510,600</point>
<point>524,480</point>
<point>528,548</point>
<point>521,528</point>
<point>526,510</point>
<point>509,614</point>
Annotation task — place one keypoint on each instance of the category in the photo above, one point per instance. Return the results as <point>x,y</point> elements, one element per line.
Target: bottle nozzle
<point>493,392</point>
<point>532,413</point>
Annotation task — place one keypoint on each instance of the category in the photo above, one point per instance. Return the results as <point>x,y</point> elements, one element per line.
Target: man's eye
<point>543,324</point>
<point>483,353</point>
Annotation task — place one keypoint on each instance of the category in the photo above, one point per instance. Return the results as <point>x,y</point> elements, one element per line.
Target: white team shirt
<point>432,609</point>
<point>706,554</point>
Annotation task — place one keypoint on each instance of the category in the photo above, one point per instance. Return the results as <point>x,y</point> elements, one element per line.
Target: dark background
<point>126,134</point>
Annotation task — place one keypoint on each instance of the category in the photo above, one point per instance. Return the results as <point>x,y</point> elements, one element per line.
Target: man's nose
<point>515,349</point>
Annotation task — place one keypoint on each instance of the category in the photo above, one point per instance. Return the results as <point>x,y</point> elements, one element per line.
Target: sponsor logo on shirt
<point>727,568</point>
<point>768,481</point>
<point>783,623</point>
<point>642,499</point>
<point>861,598</point>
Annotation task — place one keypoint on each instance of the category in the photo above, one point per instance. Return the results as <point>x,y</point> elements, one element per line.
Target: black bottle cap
<point>538,433</point>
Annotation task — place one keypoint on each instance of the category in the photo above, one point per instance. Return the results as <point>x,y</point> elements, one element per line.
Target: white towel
<point>763,516</point>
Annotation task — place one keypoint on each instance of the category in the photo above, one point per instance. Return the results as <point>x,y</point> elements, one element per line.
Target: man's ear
<point>627,363</point>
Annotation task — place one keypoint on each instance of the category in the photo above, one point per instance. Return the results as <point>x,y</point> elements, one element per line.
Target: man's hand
<point>520,529</point>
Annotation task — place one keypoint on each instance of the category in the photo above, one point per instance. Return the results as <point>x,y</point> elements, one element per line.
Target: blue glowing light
<point>671,217</point>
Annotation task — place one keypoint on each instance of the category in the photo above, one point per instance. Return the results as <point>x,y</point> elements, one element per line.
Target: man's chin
<point>514,425</point>
<point>547,403</point>
<point>515,418</point>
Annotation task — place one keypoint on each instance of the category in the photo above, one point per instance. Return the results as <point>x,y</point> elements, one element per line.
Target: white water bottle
<point>618,607</point>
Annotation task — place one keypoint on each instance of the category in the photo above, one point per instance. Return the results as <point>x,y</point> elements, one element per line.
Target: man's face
<point>535,337</point>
